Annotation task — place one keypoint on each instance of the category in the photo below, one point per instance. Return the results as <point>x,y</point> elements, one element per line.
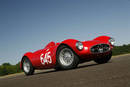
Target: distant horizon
<point>28,25</point>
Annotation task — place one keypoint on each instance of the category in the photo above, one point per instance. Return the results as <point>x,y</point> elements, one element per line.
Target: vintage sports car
<point>68,54</point>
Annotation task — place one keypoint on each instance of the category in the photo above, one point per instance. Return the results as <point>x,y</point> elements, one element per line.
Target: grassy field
<point>124,49</point>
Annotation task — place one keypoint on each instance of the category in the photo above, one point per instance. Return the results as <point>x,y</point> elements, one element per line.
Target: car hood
<point>93,42</point>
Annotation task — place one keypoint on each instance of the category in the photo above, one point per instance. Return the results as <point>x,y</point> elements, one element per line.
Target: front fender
<point>103,38</point>
<point>71,43</point>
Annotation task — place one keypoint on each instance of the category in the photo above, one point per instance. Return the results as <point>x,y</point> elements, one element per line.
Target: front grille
<point>100,48</point>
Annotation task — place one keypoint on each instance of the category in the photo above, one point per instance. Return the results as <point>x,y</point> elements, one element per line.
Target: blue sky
<point>28,25</point>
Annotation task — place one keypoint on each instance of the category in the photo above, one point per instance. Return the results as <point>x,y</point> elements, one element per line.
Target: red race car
<point>68,54</point>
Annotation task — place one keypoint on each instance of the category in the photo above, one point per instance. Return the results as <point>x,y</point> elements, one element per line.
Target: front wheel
<point>27,66</point>
<point>66,58</point>
<point>104,59</point>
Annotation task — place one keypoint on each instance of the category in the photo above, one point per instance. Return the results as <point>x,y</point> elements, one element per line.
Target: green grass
<point>7,68</point>
<point>124,49</point>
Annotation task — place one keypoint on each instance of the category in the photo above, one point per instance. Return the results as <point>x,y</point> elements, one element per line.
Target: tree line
<point>124,49</point>
<point>7,68</point>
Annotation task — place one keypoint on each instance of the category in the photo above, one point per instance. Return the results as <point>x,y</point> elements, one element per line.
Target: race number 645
<point>46,58</point>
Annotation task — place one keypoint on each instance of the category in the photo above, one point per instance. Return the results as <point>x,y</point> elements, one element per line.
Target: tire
<point>104,59</point>
<point>66,58</point>
<point>27,67</point>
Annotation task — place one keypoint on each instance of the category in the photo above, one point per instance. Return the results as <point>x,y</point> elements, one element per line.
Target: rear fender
<point>29,55</point>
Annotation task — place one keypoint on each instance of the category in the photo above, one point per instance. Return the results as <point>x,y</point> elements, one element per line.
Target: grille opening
<point>100,48</point>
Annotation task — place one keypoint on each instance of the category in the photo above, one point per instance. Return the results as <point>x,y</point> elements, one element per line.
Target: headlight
<point>79,45</point>
<point>112,41</point>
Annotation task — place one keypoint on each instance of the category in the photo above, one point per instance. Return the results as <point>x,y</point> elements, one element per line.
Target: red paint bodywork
<point>52,47</point>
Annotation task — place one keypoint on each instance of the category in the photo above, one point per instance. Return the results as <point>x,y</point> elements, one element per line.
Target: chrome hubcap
<point>66,56</point>
<point>26,66</point>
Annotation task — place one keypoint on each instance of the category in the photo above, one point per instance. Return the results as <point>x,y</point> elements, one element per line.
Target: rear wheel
<point>27,66</point>
<point>104,59</point>
<point>66,58</point>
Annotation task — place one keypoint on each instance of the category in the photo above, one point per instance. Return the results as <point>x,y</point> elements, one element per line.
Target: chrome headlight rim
<point>112,41</point>
<point>79,45</point>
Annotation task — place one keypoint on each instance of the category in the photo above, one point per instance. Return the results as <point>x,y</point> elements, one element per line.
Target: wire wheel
<point>66,56</point>
<point>26,66</point>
